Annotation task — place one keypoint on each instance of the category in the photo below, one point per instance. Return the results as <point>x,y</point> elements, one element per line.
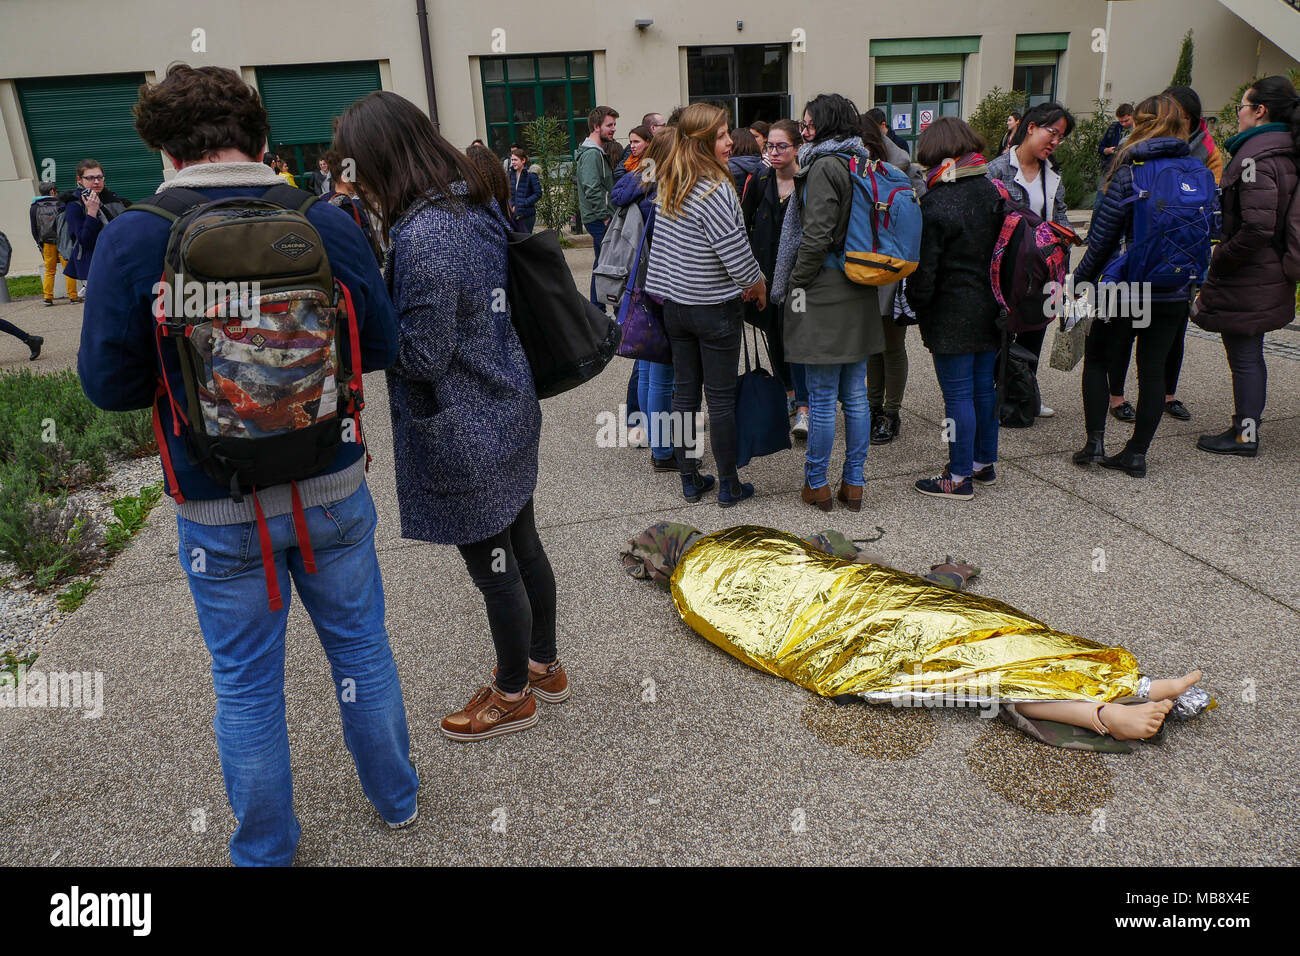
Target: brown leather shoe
<point>552,685</point>
<point>488,714</point>
<point>850,496</point>
<point>818,497</point>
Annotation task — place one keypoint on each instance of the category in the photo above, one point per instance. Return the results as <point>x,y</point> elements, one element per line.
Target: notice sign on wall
<point>926,118</point>
<point>903,122</point>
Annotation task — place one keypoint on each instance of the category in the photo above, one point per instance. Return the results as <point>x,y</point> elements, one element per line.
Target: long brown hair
<point>487,163</point>
<point>400,158</point>
<point>692,159</point>
<point>1158,115</point>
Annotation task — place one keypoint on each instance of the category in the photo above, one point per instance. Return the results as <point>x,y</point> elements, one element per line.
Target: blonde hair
<point>692,159</point>
<point>1155,116</point>
<point>655,157</point>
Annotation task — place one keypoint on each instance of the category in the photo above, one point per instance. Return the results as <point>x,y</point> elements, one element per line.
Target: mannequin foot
<point>1135,721</point>
<point>1168,689</point>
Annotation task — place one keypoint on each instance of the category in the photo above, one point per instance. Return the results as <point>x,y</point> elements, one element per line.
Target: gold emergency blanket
<point>836,627</point>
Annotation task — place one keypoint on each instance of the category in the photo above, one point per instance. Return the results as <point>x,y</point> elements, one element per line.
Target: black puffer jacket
<point>1113,221</point>
<point>950,290</point>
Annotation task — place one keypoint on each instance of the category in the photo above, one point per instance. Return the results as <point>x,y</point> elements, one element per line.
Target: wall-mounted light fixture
<point>740,24</point>
<point>642,25</point>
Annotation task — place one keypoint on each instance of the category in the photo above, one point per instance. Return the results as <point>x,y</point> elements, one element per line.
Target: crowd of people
<point>741,217</point>
<point>415,237</point>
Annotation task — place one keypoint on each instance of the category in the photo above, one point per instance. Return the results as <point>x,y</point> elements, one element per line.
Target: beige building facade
<point>68,67</point>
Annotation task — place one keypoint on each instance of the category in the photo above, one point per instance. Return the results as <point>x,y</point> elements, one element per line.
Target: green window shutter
<point>303,100</point>
<point>69,119</point>
<point>925,46</point>
<point>1037,42</point>
<point>918,69</point>
<point>1045,58</point>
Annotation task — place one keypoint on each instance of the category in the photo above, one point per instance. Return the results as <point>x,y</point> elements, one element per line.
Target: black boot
<point>1093,452</point>
<point>1131,462</point>
<point>1226,443</point>
<point>884,426</point>
<point>34,343</point>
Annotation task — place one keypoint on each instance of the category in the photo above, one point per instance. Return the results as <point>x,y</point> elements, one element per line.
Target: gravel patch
<point>28,617</point>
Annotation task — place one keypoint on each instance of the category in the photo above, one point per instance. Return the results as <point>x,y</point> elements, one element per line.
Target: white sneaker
<point>637,438</point>
<point>800,427</point>
<point>1045,412</point>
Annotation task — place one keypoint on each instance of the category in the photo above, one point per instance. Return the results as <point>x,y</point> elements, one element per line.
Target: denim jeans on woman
<point>345,598</point>
<point>970,402</point>
<point>655,399</point>
<point>828,384</point>
<point>706,351</point>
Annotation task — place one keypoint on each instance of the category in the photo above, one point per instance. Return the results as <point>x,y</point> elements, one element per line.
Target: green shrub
<point>49,539</point>
<point>548,146</point>
<point>1078,158</point>
<point>990,117</point>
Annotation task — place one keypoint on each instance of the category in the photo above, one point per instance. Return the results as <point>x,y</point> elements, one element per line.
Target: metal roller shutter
<point>71,118</point>
<point>303,100</point>
<point>943,68</point>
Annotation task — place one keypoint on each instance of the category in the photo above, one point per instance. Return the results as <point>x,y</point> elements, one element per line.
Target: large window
<point>1038,58</point>
<point>752,82</point>
<point>1038,81</point>
<point>912,107</point>
<point>518,89</point>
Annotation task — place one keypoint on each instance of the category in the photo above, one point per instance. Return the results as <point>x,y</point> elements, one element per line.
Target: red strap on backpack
<point>163,451</point>
<point>268,558</point>
<point>160,329</point>
<point>300,529</point>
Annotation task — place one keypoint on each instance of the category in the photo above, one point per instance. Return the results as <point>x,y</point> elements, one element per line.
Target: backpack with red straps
<point>269,350</point>
<point>1031,253</point>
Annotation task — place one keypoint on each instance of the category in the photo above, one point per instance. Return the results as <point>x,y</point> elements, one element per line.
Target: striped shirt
<point>702,257</point>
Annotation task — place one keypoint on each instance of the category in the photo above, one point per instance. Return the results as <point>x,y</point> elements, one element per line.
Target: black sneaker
<point>49,301</point>
<point>1124,412</point>
<point>34,342</point>
<point>1176,409</point>
<point>945,487</point>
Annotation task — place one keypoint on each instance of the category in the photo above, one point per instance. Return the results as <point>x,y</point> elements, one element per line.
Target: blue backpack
<point>883,242</point>
<point>1175,215</point>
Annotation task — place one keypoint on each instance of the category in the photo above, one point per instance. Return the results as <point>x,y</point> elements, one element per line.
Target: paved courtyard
<point>670,751</point>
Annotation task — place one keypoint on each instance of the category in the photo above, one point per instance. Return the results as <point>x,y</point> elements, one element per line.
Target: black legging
<point>1117,373</point>
<point>515,576</point>
<point>1168,322</point>
<point>14,331</point>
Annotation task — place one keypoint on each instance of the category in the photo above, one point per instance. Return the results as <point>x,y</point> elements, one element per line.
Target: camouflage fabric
<point>653,554</point>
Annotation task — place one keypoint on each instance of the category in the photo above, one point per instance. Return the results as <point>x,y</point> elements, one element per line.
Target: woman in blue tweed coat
<point>466,422</point>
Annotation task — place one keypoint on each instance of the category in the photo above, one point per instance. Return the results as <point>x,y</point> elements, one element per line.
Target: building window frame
<point>734,99</point>
<point>514,88</point>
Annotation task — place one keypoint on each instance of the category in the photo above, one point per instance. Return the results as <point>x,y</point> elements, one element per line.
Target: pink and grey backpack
<point>1030,255</point>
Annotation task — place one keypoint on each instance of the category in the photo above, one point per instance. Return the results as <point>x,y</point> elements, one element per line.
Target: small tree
<point>990,116</point>
<point>1183,71</point>
<point>548,142</point>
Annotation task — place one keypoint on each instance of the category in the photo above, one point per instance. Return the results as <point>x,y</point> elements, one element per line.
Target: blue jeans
<point>655,399</point>
<point>970,401</point>
<point>826,384</point>
<point>800,384</point>
<point>345,598</point>
<point>595,229</point>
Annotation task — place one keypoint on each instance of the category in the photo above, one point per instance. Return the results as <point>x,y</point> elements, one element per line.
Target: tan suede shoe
<point>818,497</point>
<point>488,714</point>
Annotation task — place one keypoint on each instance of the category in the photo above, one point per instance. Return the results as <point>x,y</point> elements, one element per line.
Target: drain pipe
<point>422,13</point>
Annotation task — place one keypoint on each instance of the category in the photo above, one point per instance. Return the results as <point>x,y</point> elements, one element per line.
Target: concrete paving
<point>670,750</point>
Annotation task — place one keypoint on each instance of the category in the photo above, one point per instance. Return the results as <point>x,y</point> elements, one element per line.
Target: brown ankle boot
<point>850,495</point>
<point>818,497</point>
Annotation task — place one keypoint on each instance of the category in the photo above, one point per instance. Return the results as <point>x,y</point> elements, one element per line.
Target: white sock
<point>957,479</point>
<point>978,465</point>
